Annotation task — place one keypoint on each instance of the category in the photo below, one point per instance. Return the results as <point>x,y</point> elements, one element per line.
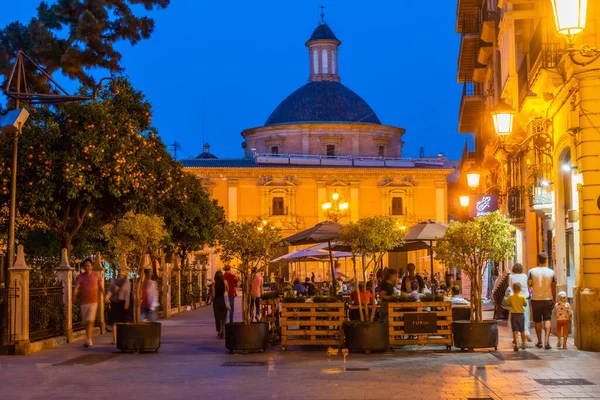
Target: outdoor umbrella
<point>422,236</point>
<point>323,232</point>
<point>302,255</point>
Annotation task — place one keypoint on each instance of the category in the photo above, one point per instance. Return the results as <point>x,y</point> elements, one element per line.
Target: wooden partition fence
<point>433,319</point>
<point>269,313</point>
<point>307,324</point>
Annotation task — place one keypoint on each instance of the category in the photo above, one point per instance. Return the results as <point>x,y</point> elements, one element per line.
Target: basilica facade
<point>324,142</point>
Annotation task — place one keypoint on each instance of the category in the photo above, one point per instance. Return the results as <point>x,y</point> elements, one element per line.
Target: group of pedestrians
<point>118,295</point>
<point>544,301</point>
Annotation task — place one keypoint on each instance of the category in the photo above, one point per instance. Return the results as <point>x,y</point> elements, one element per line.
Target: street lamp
<point>464,201</point>
<point>569,16</point>
<point>502,115</point>
<point>335,209</point>
<point>473,178</point>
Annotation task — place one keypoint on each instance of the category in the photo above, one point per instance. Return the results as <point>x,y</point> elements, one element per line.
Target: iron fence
<point>174,291</point>
<point>76,313</point>
<point>46,311</point>
<point>8,298</point>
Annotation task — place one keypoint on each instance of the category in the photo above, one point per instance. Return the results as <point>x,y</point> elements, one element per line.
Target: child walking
<point>517,303</point>
<point>563,319</point>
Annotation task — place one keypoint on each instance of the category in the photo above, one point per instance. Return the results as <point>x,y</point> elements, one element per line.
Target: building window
<point>278,207</point>
<point>330,148</point>
<point>315,62</point>
<point>275,150</point>
<point>324,61</point>
<point>332,62</point>
<point>381,151</point>
<point>397,208</point>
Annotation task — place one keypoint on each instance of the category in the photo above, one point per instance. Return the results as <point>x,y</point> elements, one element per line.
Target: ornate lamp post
<point>335,209</point>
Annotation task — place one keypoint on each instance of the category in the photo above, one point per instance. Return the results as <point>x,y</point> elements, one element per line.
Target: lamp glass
<point>569,16</point>
<point>326,206</point>
<point>464,201</point>
<point>503,122</point>
<point>473,179</point>
<point>335,196</point>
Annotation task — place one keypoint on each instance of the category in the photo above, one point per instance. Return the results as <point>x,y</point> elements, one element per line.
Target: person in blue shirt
<point>298,287</point>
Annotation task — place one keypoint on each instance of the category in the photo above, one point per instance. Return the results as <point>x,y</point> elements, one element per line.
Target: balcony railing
<point>516,202</point>
<point>468,24</point>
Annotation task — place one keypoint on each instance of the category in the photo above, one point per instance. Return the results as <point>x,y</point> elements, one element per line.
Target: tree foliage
<point>371,237</point>
<point>135,236</point>
<point>471,245</point>
<point>76,37</point>
<point>252,244</point>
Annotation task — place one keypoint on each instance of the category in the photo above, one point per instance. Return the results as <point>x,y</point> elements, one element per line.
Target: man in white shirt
<point>542,281</point>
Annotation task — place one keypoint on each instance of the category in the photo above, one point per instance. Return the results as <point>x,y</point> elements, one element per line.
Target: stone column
<point>232,199</point>
<point>587,142</point>
<point>99,269</point>
<point>19,278</point>
<point>177,271</point>
<point>354,201</point>
<point>440,202</point>
<point>321,197</point>
<point>166,288</point>
<point>64,274</point>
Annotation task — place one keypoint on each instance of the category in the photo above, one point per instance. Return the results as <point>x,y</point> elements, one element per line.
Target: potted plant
<point>252,243</point>
<point>133,237</point>
<point>470,246</point>
<point>372,238</point>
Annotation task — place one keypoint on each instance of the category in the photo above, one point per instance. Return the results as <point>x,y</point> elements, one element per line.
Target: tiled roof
<point>323,101</point>
<point>323,32</point>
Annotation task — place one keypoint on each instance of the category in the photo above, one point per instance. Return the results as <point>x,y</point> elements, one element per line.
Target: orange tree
<point>81,160</point>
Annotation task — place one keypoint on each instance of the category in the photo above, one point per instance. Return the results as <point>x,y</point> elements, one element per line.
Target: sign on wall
<point>482,204</point>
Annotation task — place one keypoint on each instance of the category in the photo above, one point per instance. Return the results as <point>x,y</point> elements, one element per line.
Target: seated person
<point>456,298</point>
<point>298,287</point>
<point>310,288</point>
<point>364,295</point>
<point>414,287</point>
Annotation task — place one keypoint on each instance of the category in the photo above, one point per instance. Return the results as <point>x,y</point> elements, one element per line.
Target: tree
<point>191,216</point>
<point>99,158</point>
<point>134,236</point>
<point>372,237</point>
<point>75,37</point>
<point>471,245</point>
<point>252,243</point>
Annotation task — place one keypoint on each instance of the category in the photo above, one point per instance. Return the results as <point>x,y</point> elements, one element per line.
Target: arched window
<point>278,205</point>
<point>324,61</point>
<point>315,62</point>
<point>330,149</point>
<point>333,62</point>
<point>397,206</point>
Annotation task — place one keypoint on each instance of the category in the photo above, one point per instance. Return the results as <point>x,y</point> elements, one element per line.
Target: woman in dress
<point>518,276</point>
<point>219,291</point>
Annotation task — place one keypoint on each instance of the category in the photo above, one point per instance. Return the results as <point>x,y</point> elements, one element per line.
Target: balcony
<point>466,7</point>
<point>488,25</point>
<point>470,107</point>
<point>516,204</point>
<point>469,25</point>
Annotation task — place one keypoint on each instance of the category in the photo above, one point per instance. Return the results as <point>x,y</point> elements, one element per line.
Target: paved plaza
<point>190,365</point>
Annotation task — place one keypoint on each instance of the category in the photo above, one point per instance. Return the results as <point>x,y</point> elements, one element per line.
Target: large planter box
<point>420,323</point>
<point>247,337</point>
<point>367,338</point>
<point>475,335</point>
<point>306,324</point>
<point>138,338</point>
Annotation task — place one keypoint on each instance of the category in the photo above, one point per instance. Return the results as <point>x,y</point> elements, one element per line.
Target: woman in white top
<point>518,276</point>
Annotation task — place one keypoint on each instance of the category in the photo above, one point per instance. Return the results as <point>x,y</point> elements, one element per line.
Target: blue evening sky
<point>244,57</point>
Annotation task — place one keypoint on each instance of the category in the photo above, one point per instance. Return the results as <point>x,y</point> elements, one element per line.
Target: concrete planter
<point>139,338</point>
<point>367,338</point>
<point>247,337</point>
<point>475,335</point>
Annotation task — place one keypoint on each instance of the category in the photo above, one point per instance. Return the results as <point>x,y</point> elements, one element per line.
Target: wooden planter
<point>410,324</point>
<point>138,338</point>
<point>312,324</point>
<point>269,313</point>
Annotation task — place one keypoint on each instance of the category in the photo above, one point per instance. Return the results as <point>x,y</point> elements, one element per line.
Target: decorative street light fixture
<point>473,178</point>
<point>464,201</point>
<point>335,209</point>
<point>569,16</point>
<point>502,115</point>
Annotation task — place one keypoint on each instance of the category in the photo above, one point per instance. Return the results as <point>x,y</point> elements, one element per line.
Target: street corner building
<point>325,142</point>
<point>530,72</point>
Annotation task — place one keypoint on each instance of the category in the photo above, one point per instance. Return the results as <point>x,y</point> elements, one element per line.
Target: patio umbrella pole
<point>433,287</point>
<point>332,292</point>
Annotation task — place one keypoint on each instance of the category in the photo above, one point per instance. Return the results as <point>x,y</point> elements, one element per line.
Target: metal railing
<point>46,311</point>
<point>469,23</point>
<point>76,313</point>
<point>516,202</point>
<point>174,291</point>
<point>8,298</point>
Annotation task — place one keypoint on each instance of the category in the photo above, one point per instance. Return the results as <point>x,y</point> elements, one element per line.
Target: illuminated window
<point>397,208</point>
<point>332,62</point>
<point>315,62</point>
<point>381,151</point>
<point>330,150</point>
<point>277,206</point>
<point>274,149</point>
<point>324,61</point>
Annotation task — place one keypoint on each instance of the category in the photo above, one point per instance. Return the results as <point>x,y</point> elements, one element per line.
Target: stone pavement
<point>189,366</point>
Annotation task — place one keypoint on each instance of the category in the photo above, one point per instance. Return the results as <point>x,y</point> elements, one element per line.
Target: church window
<point>332,62</point>
<point>278,206</point>
<point>315,62</point>
<point>330,150</point>
<point>381,151</point>
<point>274,150</point>
<point>325,63</point>
<point>397,208</point>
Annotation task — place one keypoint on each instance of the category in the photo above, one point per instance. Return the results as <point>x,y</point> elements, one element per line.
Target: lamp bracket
<point>589,53</point>
<point>539,138</point>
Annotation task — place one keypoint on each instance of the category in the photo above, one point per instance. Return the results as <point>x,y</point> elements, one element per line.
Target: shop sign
<point>420,322</point>
<point>482,204</point>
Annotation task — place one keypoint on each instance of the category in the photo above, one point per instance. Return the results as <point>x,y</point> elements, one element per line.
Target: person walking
<point>90,285</point>
<point>517,303</point>
<point>150,301</point>
<point>118,294</point>
<point>563,319</point>
<point>518,276</point>
<point>257,290</point>
<point>219,291</point>
<point>542,281</point>
<point>232,283</point>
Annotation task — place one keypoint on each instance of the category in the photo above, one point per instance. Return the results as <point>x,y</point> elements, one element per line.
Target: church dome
<point>323,32</point>
<point>323,101</point>
<point>206,154</point>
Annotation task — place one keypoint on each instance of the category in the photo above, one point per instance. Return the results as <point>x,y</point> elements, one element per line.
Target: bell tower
<point>323,52</point>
